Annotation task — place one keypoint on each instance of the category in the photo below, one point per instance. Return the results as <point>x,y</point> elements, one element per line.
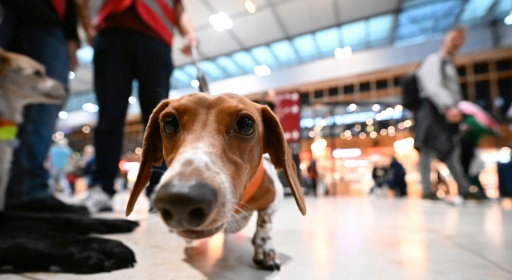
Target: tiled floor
<point>340,238</point>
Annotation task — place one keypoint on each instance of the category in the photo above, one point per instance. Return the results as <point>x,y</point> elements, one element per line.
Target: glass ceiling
<point>416,19</point>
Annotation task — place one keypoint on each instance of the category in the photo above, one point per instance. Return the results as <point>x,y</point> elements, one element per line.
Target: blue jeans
<point>48,46</point>
<point>120,56</point>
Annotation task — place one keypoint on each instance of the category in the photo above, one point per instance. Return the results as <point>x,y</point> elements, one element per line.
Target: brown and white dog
<point>22,81</point>
<point>217,174</point>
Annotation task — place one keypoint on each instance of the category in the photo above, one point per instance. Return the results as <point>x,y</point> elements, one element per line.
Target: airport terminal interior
<point>334,71</point>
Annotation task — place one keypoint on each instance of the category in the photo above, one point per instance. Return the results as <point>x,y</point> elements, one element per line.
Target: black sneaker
<point>46,205</point>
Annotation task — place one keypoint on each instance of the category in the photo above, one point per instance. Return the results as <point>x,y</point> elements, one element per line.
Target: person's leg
<point>28,188</point>
<point>153,73</point>
<point>454,165</point>
<point>113,78</point>
<point>467,152</point>
<point>29,178</point>
<point>424,170</point>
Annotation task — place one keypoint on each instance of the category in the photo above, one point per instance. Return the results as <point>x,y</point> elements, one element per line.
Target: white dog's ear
<point>275,145</point>
<point>152,154</point>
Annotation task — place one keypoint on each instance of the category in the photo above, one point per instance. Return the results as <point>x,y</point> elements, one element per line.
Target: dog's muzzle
<point>186,207</point>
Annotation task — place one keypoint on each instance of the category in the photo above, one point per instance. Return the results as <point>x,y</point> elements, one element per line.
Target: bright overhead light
<point>376,107</point>
<point>262,70</point>
<point>342,53</point>
<point>89,107</point>
<point>352,107</point>
<point>63,115</point>
<point>250,6</point>
<point>195,84</point>
<point>508,19</point>
<point>132,100</point>
<point>221,21</point>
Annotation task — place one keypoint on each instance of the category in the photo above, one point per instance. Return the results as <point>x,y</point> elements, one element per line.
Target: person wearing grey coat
<point>436,130</point>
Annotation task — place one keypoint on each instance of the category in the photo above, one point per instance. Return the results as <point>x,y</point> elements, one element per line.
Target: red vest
<point>157,14</point>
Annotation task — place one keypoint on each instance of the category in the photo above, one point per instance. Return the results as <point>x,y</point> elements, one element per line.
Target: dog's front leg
<point>265,255</point>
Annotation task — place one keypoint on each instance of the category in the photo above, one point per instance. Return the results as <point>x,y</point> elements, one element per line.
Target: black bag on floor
<point>505,179</point>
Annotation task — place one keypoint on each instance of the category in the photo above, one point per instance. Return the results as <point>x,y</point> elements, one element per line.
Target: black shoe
<point>473,196</point>
<point>46,205</point>
<point>430,196</point>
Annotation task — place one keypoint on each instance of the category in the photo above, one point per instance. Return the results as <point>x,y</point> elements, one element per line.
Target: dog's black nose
<point>184,207</point>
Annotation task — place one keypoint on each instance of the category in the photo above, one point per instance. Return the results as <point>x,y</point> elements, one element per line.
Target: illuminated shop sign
<point>358,117</point>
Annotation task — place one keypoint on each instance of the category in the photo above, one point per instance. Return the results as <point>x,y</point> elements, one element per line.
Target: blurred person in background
<point>313,177</point>
<point>133,40</point>
<point>470,157</point>
<point>46,31</point>
<point>396,178</point>
<point>59,156</point>
<point>438,118</point>
<point>380,175</point>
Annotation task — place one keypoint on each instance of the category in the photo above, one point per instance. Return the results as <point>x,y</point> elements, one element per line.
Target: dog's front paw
<point>267,260</point>
<point>95,255</point>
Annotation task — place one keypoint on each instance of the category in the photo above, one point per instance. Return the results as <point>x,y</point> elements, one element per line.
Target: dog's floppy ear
<point>152,154</point>
<point>275,145</point>
<point>4,60</point>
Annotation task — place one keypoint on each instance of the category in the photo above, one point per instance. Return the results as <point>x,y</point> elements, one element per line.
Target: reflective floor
<point>340,238</point>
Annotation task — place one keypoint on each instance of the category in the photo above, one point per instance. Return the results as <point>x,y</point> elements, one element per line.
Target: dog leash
<point>201,77</point>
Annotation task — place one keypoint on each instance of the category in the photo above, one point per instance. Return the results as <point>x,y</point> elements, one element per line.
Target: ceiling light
<point>195,84</point>
<point>341,53</point>
<point>262,70</point>
<point>376,107</point>
<point>352,107</point>
<point>63,115</point>
<point>132,100</point>
<point>221,21</point>
<point>89,107</point>
<point>250,6</point>
<point>508,19</point>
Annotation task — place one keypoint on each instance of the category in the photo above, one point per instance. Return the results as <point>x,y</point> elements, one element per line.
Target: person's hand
<point>72,48</point>
<point>90,33</point>
<point>189,41</point>
<point>453,115</point>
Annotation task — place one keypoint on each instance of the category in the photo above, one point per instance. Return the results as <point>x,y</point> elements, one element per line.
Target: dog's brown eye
<point>171,124</point>
<point>244,126</point>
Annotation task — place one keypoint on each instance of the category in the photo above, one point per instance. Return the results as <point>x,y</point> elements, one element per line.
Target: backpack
<point>411,99</point>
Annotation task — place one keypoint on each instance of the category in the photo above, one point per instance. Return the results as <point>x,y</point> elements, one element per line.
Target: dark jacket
<point>41,12</point>
<point>433,131</point>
